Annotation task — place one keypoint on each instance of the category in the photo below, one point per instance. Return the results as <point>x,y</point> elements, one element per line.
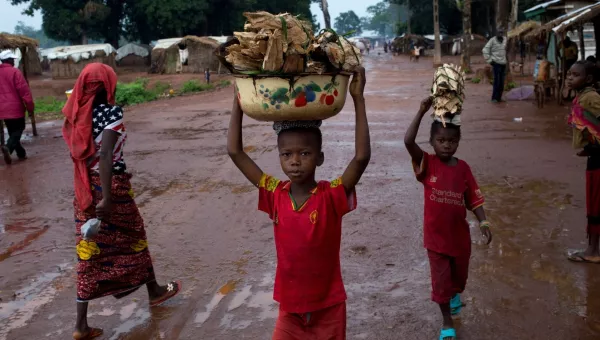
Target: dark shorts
<point>448,275</point>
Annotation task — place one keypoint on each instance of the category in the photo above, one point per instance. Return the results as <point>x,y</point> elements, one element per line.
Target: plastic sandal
<point>173,288</point>
<point>456,304</point>
<point>447,334</point>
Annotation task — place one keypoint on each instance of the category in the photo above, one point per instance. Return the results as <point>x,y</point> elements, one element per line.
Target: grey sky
<point>10,15</point>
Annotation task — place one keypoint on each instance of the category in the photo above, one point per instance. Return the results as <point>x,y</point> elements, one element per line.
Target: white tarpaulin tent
<point>77,53</point>
<point>132,49</point>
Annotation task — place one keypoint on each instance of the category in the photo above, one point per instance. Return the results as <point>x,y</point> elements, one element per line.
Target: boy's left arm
<point>362,155</point>
<point>474,200</point>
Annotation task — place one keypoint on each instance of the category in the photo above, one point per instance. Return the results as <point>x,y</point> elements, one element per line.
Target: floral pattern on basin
<point>301,98</point>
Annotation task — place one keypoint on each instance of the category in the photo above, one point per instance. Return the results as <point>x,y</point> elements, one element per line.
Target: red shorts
<point>593,201</point>
<point>448,275</point>
<point>324,324</point>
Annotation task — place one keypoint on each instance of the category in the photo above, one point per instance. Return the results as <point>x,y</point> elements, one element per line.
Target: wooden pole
<point>1,133</point>
<point>25,62</point>
<point>466,47</point>
<point>581,42</point>
<point>437,54</point>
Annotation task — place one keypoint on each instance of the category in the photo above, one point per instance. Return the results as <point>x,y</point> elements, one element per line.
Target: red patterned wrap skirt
<point>116,261</point>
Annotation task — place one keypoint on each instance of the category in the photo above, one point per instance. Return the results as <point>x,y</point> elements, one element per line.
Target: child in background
<point>207,75</point>
<point>450,190</point>
<point>585,120</point>
<point>307,220</point>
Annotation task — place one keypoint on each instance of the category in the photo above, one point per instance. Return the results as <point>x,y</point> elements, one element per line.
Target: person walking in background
<point>494,54</point>
<point>15,98</point>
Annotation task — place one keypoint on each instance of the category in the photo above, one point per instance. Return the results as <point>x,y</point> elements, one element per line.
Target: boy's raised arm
<point>362,155</point>
<point>235,147</point>
<point>411,134</point>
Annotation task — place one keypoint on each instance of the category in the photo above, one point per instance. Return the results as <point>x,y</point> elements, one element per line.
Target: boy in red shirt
<point>307,220</point>
<point>450,190</point>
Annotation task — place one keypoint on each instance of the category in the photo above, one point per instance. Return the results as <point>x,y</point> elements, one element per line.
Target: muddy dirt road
<point>203,226</point>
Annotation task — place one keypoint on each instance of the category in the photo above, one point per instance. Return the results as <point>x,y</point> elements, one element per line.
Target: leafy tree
<point>348,22</point>
<point>385,18</point>
<point>37,34</point>
<point>70,20</point>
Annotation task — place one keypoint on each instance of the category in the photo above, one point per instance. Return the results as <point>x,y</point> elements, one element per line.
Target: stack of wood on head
<point>448,93</point>
<point>284,72</point>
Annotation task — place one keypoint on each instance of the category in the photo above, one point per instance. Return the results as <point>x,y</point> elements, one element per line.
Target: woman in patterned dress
<point>117,261</point>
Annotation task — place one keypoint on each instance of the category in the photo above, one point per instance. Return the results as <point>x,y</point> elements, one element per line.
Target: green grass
<point>224,83</point>
<point>476,80</point>
<point>161,88</point>
<point>48,105</point>
<point>191,86</point>
<point>511,85</point>
<point>134,93</point>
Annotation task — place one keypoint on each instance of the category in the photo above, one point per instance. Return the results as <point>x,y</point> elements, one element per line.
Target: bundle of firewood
<point>285,44</point>
<point>448,93</point>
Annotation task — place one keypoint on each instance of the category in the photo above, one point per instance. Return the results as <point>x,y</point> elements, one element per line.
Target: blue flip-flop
<point>448,333</point>
<point>456,304</point>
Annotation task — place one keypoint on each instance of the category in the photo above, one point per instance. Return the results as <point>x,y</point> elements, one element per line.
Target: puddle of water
<point>139,318</point>
<point>16,314</point>
<point>201,317</point>
<point>28,239</point>
<point>264,302</point>
<point>127,311</point>
<point>240,298</point>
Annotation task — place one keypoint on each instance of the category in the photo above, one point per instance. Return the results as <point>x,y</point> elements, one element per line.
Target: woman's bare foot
<point>89,333</point>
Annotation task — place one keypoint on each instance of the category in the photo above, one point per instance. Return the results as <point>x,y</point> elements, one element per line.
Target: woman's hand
<point>357,87</point>
<point>104,209</point>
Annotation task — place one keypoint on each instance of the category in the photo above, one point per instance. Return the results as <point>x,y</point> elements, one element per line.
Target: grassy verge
<point>137,92</point>
<point>48,108</point>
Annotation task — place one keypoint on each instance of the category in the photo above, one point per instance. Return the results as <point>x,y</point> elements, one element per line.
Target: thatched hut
<point>69,61</point>
<point>133,55</point>
<point>184,55</point>
<point>21,45</point>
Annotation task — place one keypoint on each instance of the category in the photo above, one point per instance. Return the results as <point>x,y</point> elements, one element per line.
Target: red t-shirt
<point>449,192</point>
<point>307,240</point>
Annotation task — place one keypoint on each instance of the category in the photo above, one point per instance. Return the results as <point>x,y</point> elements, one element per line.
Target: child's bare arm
<point>411,134</point>
<point>362,155</point>
<point>484,225</point>
<point>235,147</point>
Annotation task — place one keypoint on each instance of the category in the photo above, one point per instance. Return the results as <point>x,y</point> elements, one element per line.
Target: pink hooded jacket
<point>15,95</point>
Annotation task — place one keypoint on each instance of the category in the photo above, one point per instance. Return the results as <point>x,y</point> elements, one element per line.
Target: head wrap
<point>295,124</point>
<point>77,129</point>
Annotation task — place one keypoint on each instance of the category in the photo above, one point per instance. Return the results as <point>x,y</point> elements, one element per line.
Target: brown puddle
<point>28,239</point>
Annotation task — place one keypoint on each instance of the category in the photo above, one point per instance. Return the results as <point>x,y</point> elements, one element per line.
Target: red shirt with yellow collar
<point>449,192</point>
<point>307,239</point>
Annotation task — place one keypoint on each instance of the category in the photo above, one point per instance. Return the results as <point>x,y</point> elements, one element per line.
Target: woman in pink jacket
<point>15,97</point>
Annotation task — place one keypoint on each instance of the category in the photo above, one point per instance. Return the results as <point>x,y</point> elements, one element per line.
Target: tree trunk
<point>437,54</point>
<point>502,14</point>
<point>514,14</point>
<point>466,46</point>
<point>326,16</point>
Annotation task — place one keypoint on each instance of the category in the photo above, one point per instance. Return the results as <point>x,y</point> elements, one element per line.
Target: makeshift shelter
<point>184,55</point>
<point>24,45</point>
<point>554,33</point>
<point>402,44</point>
<point>21,45</point>
<point>523,28</point>
<point>550,10</point>
<point>133,54</point>
<point>69,61</point>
